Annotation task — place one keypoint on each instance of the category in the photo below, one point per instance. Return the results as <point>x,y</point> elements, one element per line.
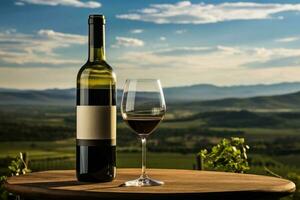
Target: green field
<point>52,130</point>
<point>61,155</point>
<point>47,135</point>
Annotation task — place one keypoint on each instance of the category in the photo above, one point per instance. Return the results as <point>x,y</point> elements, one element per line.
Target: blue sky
<point>43,42</point>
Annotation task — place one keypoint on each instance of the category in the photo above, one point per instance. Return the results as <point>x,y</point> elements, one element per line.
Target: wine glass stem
<point>144,157</point>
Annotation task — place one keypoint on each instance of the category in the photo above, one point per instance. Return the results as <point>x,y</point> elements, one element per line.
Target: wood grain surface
<point>179,184</point>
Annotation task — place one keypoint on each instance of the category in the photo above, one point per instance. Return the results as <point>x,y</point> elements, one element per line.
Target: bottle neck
<point>96,42</point>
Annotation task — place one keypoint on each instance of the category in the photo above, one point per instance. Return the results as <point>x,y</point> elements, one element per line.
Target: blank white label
<point>96,122</point>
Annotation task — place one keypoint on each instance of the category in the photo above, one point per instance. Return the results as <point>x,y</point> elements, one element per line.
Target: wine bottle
<point>96,111</point>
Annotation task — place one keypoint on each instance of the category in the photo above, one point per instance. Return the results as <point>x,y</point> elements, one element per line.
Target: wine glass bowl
<point>143,108</point>
<point>143,105</point>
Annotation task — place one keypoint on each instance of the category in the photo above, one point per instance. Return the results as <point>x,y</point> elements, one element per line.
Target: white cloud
<point>280,17</point>
<point>39,48</point>
<point>63,37</point>
<point>37,77</point>
<point>128,42</point>
<point>137,31</point>
<point>180,31</point>
<point>218,57</point>
<point>162,38</point>
<point>224,65</point>
<point>72,3</point>
<point>182,50</point>
<point>215,57</point>
<point>264,53</point>
<point>18,3</point>
<point>185,12</point>
<point>287,39</point>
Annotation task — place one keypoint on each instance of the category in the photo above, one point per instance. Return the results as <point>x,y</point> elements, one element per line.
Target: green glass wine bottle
<point>96,111</point>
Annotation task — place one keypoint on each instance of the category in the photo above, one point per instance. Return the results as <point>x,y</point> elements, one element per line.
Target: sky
<point>43,43</point>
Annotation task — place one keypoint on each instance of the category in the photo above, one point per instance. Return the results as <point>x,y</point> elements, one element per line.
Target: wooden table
<point>179,184</point>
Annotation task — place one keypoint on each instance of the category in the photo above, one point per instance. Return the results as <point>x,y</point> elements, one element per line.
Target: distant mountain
<point>38,97</point>
<point>212,92</point>
<point>270,103</point>
<point>194,93</point>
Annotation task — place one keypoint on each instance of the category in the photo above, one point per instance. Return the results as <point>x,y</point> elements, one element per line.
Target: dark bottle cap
<point>96,19</point>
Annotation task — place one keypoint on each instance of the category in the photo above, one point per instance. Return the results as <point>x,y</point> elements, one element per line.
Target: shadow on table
<point>58,184</point>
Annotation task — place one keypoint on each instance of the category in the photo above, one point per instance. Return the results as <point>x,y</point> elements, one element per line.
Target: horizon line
<point>180,86</point>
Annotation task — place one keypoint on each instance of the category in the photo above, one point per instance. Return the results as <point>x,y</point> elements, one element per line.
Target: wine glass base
<point>143,182</point>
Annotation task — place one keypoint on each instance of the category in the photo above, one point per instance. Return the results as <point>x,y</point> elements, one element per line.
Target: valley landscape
<point>44,128</point>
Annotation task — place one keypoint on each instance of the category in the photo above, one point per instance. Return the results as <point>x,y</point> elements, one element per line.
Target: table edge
<point>68,194</point>
<point>24,190</point>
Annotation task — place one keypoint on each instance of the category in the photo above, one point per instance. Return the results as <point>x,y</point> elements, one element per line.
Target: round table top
<point>179,184</point>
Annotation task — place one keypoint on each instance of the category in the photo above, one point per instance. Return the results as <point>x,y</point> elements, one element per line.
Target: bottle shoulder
<point>96,68</point>
<point>96,74</point>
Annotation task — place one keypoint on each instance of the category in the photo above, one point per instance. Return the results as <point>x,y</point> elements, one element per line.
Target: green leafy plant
<point>3,192</point>
<point>17,167</point>
<point>228,155</point>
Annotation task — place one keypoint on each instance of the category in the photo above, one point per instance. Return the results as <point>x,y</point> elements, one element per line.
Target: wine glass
<point>143,107</point>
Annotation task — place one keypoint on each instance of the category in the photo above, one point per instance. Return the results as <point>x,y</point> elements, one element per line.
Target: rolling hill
<point>212,92</point>
<point>286,102</point>
<point>220,96</point>
<point>37,97</point>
